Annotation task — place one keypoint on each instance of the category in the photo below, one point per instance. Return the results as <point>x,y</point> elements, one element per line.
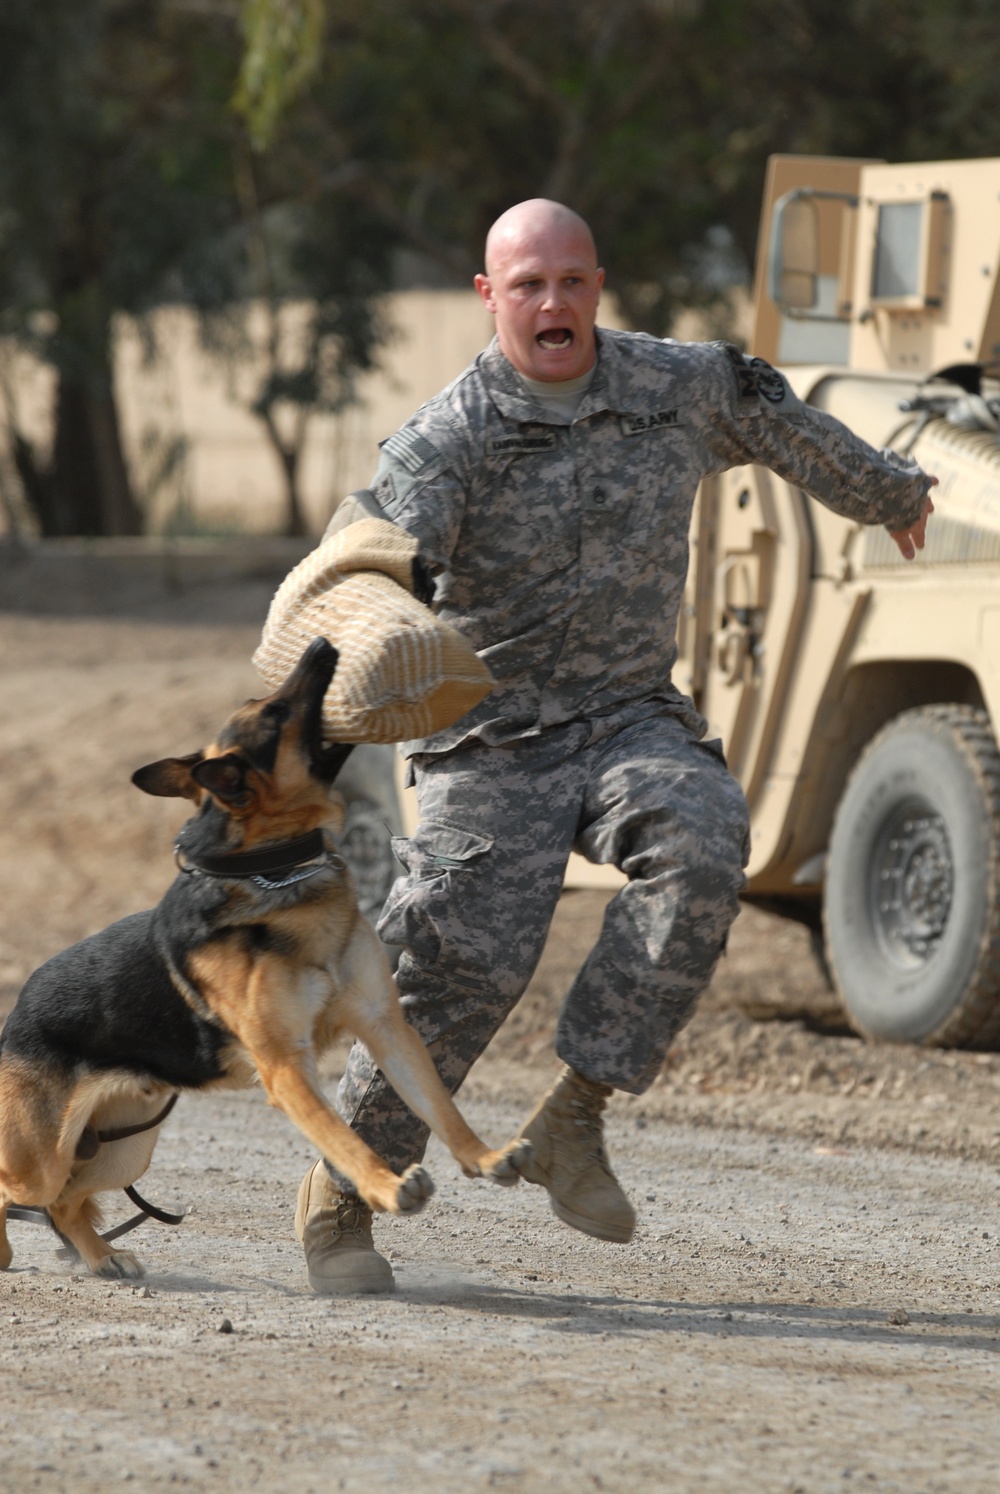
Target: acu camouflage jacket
<point>562,546</point>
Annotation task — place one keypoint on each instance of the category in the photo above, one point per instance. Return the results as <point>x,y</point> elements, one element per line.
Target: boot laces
<point>350,1217</point>
<point>588,1115</point>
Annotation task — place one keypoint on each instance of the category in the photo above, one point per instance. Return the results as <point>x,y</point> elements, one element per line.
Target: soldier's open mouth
<point>555,337</point>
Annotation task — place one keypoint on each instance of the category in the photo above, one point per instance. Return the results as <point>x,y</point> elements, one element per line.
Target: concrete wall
<point>201,462</point>
<point>224,476</point>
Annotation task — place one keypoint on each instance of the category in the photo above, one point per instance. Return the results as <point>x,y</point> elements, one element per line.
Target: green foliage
<point>115,167</point>
<point>126,181</point>
<point>128,178</point>
<point>282,52</point>
<point>654,118</point>
<point>308,321</point>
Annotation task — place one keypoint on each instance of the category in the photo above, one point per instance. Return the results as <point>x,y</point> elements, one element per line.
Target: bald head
<point>538,221</point>
<point>543,284</point>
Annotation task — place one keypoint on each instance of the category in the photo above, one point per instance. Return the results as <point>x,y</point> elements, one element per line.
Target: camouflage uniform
<point>562,547</point>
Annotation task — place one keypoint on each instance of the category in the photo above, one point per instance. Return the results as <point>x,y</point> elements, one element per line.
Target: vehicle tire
<point>912,896</point>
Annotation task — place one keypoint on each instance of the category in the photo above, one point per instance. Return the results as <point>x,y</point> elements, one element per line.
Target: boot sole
<point>598,1229</point>
<point>325,1288</point>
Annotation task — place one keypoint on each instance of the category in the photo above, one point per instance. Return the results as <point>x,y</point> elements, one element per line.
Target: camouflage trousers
<point>484,872</point>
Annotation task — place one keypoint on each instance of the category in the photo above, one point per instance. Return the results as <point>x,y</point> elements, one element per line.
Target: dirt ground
<point>811,1302</point>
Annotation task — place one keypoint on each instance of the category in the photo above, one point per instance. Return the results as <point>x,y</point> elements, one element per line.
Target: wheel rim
<point>912,886</point>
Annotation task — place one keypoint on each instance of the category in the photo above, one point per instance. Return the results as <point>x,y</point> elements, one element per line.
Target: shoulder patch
<point>411,450</point>
<point>769,382</point>
<point>746,383</point>
<point>519,445</point>
<point>755,378</point>
<point>637,425</point>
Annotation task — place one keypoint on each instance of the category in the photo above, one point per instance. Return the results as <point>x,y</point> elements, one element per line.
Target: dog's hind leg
<point>75,1220</point>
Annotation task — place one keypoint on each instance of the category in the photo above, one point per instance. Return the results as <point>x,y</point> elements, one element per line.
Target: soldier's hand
<point>911,540</point>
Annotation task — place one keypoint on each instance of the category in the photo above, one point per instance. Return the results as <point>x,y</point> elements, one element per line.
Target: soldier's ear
<point>170,778</point>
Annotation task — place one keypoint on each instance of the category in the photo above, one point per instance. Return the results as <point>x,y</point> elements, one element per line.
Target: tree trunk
<point>295,520</point>
<point>120,514</point>
<point>90,491</point>
<point>76,495</point>
<point>288,457</point>
<point>37,486</point>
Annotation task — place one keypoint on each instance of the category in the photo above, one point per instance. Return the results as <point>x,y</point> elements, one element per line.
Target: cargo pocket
<point>442,910</point>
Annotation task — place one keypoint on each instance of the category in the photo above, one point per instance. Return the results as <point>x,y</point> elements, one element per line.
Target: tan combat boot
<point>570,1161</point>
<point>336,1233</point>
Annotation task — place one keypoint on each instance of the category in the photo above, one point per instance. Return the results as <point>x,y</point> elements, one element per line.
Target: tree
<point>309,322</point>
<point>438,114</point>
<point>127,178</point>
<point>282,54</point>
<point>654,118</point>
<point>123,170</point>
<point>115,164</point>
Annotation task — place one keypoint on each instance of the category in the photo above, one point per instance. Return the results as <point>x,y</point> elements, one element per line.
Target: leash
<point>86,1148</point>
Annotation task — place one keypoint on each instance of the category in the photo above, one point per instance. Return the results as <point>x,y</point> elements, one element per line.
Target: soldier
<point>550,487</point>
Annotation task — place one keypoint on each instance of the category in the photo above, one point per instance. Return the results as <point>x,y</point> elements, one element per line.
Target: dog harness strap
<point>279,858</point>
<point>122,1131</point>
<point>152,1210</point>
<point>31,1213</point>
<point>90,1139</point>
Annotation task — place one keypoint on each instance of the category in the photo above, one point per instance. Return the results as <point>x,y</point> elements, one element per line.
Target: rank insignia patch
<point>746,383</point>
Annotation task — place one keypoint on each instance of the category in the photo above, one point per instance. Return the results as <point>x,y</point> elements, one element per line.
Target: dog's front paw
<point>415,1187</point>
<point>507,1165</point>
<point>119,1264</point>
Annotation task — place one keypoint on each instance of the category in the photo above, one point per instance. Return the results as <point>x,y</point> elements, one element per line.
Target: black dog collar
<point>287,856</point>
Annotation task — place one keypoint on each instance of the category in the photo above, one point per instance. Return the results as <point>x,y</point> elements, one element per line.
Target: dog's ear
<point>224,777</point>
<point>170,778</point>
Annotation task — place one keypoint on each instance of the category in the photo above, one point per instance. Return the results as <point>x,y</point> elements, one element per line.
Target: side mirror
<point>794,253</point>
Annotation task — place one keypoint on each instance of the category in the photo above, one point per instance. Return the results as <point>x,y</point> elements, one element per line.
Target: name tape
<point>636,425</point>
<point>516,445</point>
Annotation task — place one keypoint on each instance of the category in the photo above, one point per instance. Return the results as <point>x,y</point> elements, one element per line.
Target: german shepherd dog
<point>252,963</point>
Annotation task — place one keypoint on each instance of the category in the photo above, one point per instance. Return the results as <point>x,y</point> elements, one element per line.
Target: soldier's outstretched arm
<point>758,418</point>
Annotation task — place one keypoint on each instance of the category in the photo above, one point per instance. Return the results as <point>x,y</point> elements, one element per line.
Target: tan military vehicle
<point>858,695</point>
